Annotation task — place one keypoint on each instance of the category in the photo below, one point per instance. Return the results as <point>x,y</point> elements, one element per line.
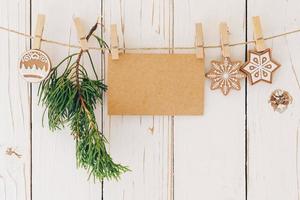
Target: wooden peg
<point>199,44</point>
<point>258,35</point>
<point>81,34</point>
<point>224,39</point>
<point>39,31</point>
<point>114,42</point>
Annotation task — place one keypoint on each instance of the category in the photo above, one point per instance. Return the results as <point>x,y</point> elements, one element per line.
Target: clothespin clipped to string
<point>35,64</point>
<point>81,34</point>
<point>258,34</point>
<point>114,42</point>
<point>199,44</point>
<point>260,65</point>
<point>224,32</point>
<point>39,31</point>
<point>225,74</point>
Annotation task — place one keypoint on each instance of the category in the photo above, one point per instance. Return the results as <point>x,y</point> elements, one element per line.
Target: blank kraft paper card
<point>156,84</point>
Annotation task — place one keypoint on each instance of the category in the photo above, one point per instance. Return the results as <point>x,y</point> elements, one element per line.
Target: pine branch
<point>71,99</point>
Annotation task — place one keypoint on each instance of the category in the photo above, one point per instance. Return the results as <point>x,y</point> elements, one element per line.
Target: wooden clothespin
<point>224,31</point>
<point>39,31</point>
<point>199,44</point>
<point>258,35</point>
<point>114,42</point>
<point>81,34</point>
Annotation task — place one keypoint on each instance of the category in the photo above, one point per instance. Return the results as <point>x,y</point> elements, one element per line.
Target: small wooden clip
<point>224,39</point>
<point>81,34</point>
<point>199,44</point>
<point>39,31</point>
<point>114,42</point>
<point>258,35</point>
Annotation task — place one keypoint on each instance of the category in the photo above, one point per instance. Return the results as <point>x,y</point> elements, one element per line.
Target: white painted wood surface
<point>170,158</point>
<point>14,104</point>
<point>209,150</point>
<point>273,137</point>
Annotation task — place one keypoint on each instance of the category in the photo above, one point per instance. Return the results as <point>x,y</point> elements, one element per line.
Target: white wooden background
<point>240,149</point>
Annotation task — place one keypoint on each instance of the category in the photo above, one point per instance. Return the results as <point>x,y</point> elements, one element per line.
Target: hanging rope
<point>147,48</point>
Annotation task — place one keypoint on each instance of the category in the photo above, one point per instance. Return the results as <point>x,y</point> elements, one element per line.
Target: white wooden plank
<point>209,149</point>
<point>15,107</point>
<point>273,137</point>
<point>141,142</point>
<point>55,175</point>
<point>132,142</point>
<point>14,104</point>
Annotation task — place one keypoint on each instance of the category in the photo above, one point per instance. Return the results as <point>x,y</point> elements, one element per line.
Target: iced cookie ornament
<point>35,64</point>
<point>260,65</point>
<point>225,75</point>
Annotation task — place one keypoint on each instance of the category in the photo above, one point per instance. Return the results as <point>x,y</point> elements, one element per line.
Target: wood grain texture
<point>138,141</point>
<point>209,160</point>
<point>273,137</point>
<point>14,104</point>
<point>55,174</point>
<point>209,150</point>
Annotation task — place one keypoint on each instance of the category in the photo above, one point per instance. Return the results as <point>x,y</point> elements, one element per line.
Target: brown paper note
<point>156,84</point>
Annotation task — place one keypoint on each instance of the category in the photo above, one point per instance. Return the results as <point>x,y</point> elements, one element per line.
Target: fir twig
<point>71,98</point>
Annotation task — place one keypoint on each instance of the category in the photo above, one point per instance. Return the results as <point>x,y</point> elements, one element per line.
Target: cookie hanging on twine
<point>35,64</point>
<point>260,65</point>
<point>225,75</point>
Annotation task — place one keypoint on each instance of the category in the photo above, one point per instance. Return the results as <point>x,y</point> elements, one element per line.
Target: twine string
<point>146,48</point>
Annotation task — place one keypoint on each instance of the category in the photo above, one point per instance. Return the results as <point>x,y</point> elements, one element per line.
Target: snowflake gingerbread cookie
<point>260,66</point>
<point>225,75</point>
